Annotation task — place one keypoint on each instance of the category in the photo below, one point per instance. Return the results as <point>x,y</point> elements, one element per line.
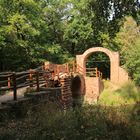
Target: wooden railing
<point>93,72</point>
<point>59,69</point>
<point>42,75</point>
<point>11,81</point>
<point>90,72</point>
<point>72,67</point>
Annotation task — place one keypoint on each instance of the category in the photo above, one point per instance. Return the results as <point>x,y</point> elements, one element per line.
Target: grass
<point>115,117</point>
<point>87,123</point>
<point>128,94</point>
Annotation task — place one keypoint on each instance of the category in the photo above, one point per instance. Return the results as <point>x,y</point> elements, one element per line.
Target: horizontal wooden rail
<point>90,68</point>
<point>5,75</point>
<point>93,72</point>
<point>15,80</point>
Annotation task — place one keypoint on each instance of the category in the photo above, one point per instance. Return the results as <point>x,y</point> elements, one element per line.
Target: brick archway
<point>115,70</point>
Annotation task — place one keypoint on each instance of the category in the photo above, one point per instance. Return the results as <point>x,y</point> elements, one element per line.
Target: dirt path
<point>9,96</point>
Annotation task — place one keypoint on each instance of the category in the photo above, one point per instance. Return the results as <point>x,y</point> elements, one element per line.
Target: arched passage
<point>114,61</point>
<point>78,90</point>
<point>101,61</point>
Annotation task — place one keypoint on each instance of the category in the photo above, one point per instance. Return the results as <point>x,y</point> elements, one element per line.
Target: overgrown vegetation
<point>116,116</point>
<point>128,94</point>
<point>90,122</point>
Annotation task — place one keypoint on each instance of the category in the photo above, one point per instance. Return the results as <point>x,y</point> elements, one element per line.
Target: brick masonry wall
<point>94,86</point>
<point>117,74</point>
<point>123,76</point>
<point>66,94</point>
<point>88,88</point>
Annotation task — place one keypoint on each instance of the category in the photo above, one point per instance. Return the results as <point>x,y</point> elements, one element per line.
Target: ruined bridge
<point>72,78</point>
<point>75,79</point>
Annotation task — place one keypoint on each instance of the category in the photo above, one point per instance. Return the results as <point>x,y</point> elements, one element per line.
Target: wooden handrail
<point>16,80</point>
<point>94,72</point>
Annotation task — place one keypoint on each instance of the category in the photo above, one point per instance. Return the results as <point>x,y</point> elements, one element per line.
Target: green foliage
<point>133,62</point>
<point>18,32</point>
<point>55,54</point>
<point>27,29</point>
<point>128,43</point>
<point>35,31</point>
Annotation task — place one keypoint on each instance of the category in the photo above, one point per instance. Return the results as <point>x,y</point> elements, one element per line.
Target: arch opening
<point>101,61</point>
<point>116,71</point>
<point>78,90</point>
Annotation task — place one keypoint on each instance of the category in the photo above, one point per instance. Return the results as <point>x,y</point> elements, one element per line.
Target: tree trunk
<point>73,49</point>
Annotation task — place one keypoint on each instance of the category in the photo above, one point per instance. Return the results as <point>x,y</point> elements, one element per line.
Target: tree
<point>34,31</point>
<point>96,22</point>
<point>18,32</point>
<point>128,40</point>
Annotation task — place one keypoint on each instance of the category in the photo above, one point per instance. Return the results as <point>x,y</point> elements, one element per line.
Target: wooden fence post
<point>31,78</point>
<point>14,86</point>
<point>73,66</point>
<point>67,67</point>
<point>9,82</point>
<point>53,75</point>
<point>96,72</point>
<point>58,70</point>
<point>37,80</point>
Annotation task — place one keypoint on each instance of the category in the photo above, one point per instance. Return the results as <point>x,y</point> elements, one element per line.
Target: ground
<point>106,120</point>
